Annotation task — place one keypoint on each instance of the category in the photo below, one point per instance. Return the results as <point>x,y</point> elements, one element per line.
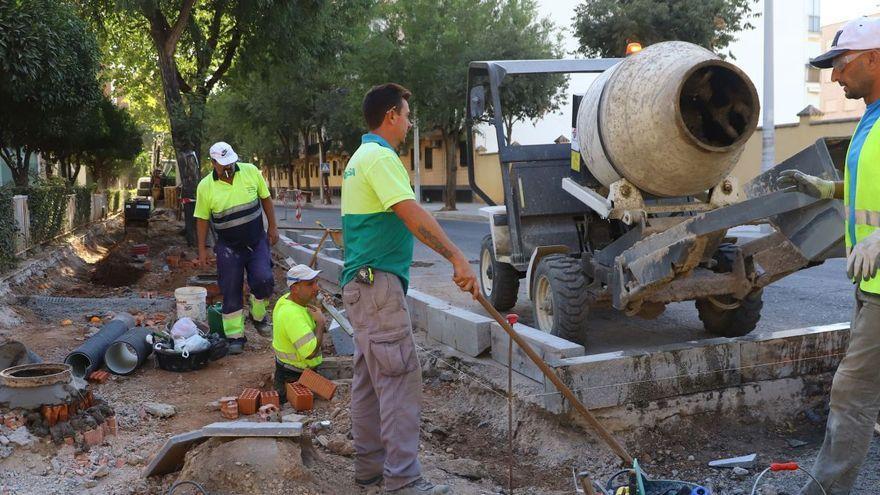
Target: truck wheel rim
<point>544,305</point>
<point>486,272</point>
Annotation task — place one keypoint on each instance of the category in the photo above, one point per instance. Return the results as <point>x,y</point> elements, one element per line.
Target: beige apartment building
<point>432,171</point>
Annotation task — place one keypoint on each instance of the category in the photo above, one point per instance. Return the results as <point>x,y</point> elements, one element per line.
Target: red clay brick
<point>111,425</point>
<point>299,396</point>
<point>249,401</point>
<point>50,414</point>
<point>229,409</point>
<point>321,386</point>
<point>270,397</point>
<point>93,437</point>
<point>63,412</point>
<point>99,376</point>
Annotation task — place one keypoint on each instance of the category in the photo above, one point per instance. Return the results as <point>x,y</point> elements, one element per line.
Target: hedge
<point>8,229</point>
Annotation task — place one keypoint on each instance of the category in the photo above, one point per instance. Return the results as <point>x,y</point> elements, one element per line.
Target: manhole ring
<point>35,375</point>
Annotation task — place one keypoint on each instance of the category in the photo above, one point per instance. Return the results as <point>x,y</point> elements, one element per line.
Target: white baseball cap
<point>300,273</point>
<point>223,153</point>
<point>860,34</point>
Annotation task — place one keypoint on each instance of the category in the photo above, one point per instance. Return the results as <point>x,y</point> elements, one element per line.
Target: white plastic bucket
<point>191,302</point>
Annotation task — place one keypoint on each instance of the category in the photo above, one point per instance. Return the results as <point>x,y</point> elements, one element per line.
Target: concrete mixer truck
<point>635,212</point>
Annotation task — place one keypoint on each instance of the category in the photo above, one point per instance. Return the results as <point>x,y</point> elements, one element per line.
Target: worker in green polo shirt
<point>380,216</point>
<point>298,327</point>
<point>234,197</point>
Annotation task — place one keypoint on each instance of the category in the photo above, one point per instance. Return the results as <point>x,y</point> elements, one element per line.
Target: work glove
<point>864,259</point>
<point>807,184</point>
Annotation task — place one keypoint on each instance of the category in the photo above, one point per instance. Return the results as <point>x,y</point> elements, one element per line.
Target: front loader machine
<point>634,213</point>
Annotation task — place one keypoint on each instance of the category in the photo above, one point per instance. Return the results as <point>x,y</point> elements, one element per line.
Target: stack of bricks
<point>62,412</point>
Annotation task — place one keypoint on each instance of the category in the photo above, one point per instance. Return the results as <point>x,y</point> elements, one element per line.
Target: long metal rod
<point>602,432</point>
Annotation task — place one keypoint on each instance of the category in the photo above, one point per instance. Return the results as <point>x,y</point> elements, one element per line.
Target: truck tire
<point>559,297</point>
<point>499,281</point>
<point>731,322</point>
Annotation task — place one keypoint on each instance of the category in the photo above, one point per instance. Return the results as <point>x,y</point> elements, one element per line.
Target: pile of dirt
<point>249,465</point>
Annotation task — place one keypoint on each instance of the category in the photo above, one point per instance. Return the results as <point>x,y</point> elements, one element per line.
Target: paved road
<point>816,296</point>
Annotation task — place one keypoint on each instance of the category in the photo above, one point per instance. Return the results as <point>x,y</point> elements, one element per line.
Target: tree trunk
<point>269,171</point>
<point>76,163</point>
<point>288,158</point>
<point>184,127</point>
<point>18,165</point>
<point>508,130</point>
<point>450,140</point>
<point>305,166</point>
<point>322,157</point>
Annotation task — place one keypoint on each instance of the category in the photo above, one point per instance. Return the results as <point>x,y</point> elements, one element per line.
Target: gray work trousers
<point>386,391</point>
<point>855,402</point>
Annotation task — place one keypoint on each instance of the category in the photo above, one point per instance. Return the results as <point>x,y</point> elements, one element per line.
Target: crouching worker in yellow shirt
<point>298,327</point>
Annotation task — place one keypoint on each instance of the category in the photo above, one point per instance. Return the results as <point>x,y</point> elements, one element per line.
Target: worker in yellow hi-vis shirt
<point>298,327</point>
<point>234,198</point>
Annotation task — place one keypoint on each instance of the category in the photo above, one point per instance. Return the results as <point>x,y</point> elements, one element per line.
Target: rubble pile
<point>84,424</point>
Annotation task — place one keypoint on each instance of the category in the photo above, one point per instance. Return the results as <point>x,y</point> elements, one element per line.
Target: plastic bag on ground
<point>194,343</point>
<point>184,328</point>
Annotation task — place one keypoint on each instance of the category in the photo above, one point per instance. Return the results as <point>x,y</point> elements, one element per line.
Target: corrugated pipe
<point>128,352</point>
<point>89,356</point>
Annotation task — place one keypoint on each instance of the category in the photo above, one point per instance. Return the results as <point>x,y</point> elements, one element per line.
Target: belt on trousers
<point>287,366</point>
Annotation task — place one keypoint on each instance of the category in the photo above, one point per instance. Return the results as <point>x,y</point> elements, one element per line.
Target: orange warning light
<point>633,48</point>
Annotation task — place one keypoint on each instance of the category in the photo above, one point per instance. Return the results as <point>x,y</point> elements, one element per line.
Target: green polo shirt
<point>375,180</point>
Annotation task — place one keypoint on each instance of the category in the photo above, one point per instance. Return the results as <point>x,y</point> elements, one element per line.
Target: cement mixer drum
<point>672,119</point>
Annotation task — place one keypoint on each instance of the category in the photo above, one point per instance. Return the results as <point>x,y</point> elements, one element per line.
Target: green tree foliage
<point>48,68</point>
<point>194,46</point>
<point>116,143</point>
<point>604,27</point>
<point>102,137</point>
<point>426,45</point>
<point>295,86</point>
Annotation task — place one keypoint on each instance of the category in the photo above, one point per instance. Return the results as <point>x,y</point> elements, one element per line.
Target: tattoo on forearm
<point>434,243</point>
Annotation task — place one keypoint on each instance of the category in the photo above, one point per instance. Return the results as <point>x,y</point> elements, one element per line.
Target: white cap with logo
<point>860,34</point>
<point>223,153</point>
<point>300,273</point>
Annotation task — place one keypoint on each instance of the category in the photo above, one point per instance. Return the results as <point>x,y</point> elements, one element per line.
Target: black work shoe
<point>421,486</point>
<point>262,326</point>
<point>369,482</point>
<point>236,346</point>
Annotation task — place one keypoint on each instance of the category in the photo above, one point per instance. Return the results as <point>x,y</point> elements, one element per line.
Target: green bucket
<point>215,319</point>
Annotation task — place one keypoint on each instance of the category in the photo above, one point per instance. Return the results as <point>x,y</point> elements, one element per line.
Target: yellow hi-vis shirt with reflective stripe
<point>234,209</point>
<point>293,334</point>
<point>861,185</point>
